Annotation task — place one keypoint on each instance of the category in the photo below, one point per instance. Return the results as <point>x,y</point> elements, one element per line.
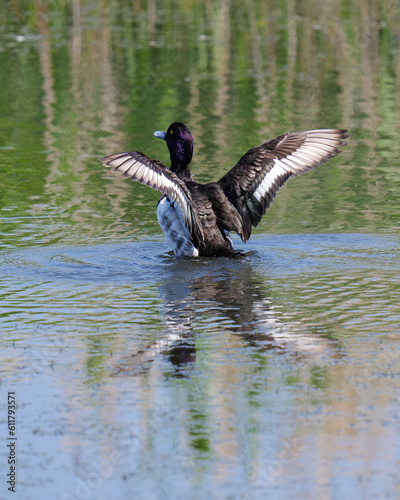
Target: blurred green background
<point>82,79</point>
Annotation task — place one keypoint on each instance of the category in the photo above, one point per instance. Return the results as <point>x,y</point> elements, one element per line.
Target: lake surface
<point>137,375</point>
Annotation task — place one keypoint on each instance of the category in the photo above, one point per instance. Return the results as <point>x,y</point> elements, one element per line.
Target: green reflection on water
<point>86,81</point>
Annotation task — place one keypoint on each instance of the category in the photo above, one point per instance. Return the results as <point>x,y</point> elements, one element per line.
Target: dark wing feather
<point>138,167</point>
<point>253,182</point>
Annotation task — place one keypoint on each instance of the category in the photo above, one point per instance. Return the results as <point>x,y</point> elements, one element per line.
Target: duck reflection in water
<point>239,302</point>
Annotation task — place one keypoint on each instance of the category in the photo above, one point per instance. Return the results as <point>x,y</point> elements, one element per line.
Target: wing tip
<point>341,132</point>
<point>344,135</point>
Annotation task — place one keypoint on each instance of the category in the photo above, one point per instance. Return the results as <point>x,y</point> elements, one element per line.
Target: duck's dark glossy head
<point>180,144</point>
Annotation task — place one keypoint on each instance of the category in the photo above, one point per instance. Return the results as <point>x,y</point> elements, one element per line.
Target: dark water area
<point>137,375</point>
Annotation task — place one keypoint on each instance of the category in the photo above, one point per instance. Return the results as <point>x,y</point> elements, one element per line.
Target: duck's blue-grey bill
<point>160,135</point>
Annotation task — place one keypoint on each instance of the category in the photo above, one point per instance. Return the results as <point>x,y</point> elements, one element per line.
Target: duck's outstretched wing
<point>138,167</point>
<point>253,182</point>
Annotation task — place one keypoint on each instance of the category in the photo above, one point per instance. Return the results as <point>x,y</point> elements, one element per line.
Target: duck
<point>197,219</point>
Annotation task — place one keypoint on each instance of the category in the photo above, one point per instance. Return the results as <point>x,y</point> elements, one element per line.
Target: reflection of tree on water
<point>222,295</point>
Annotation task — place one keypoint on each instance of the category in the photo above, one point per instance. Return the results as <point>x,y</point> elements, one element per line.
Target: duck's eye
<point>171,132</point>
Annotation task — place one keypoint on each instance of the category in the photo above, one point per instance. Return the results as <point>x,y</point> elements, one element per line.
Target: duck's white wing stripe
<point>291,165</point>
<point>138,167</point>
<point>271,181</point>
<point>294,155</point>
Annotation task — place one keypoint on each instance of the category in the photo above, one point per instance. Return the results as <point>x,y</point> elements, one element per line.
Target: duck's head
<point>180,144</point>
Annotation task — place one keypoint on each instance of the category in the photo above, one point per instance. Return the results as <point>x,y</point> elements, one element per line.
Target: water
<point>138,375</point>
